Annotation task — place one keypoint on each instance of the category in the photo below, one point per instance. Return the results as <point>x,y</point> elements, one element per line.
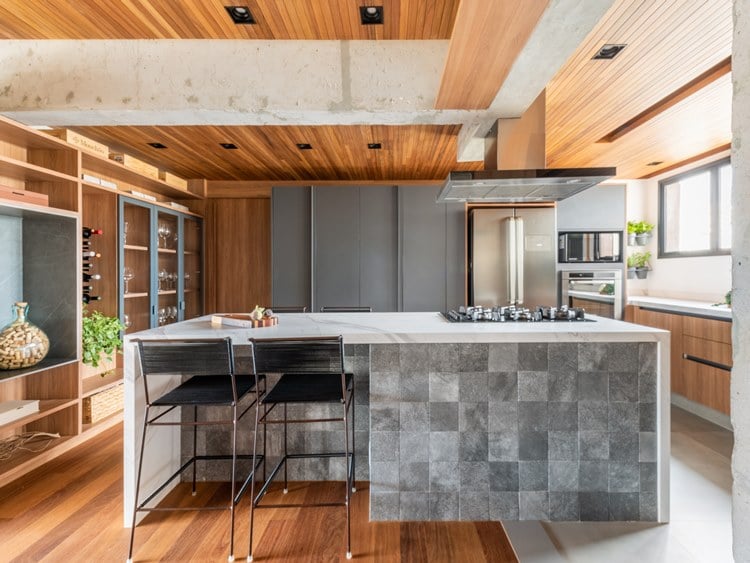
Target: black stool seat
<point>308,388</point>
<point>207,390</point>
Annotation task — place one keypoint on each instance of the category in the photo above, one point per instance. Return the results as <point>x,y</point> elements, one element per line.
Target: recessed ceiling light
<point>371,15</point>
<point>228,146</point>
<point>609,51</point>
<point>240,14</point>
<point>157,145</point>
<point>655,163</point>
<point>304,146</point>
<point>374,146</point>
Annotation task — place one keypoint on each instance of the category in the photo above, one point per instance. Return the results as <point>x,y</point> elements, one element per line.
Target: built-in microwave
<point>593,246</point>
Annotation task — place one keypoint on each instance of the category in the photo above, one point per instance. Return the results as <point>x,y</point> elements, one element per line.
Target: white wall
<point>705,278</point>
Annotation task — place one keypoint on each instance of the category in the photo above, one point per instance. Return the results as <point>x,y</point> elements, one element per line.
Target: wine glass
<point>163,278</point>
<point>126,321</point>
<point>167,234</point>
<point>173,280</point>
<point>161,233</point>
<point>162,314</point>
<point>187,280</point>
<point>127,275</point>
<point>125,233</point>
<point>173,313</point>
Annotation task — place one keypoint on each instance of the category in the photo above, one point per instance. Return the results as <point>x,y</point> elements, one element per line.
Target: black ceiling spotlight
<point>304,146</point>
<point>655,163</point>
<point>228,146</point>
<point>240,14</point>
<point>371,15</point>
<point>157,145</point>
<point>609,51</point>
<point>374,146</point>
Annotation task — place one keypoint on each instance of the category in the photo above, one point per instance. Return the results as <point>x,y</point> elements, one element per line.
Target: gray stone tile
<point>473,417</point>
<point>649,477</point>
<point>503,417</point>
<point>445,358</point>
<point>414,358</point>
<point>647,413</point>
<point>647,370</point>
<point>444,446</point>
<point>414,506</point>
<point>623,417</point>
<point>624,507</point>
<point>473,358</point>
<point>504,476</point>
<point>362,417</point>
<point>593,386</point>
<point>443,417</point>
<point>594,506</point>
<point>563,506</point>
<point>623,356</point>
<point>443,506</point>
<point>473,506</point>
<point>503,386</point>
<point>624,477</point>
<point>384,446</point>
<point>443,386</point>
<point>563,416</point>
<point>563,386</point>
<point>563,476</point>
<point>414,417</point>
<point>533,415</point>
<point>563,446</point>
<point>592,356</point>
<point>503,357</point>
<point>532,356</point>
<point>532,445</point>
<point>474,476</point>
<point>385,358</point>
<point>415,386</point>
<point>623,386</point>
<point>504,506</point>
<point>533,475</point>
<point>503,446</point>
<point>593,476</point>
<point>647,446</point>
<point>444,476</point>
<point>384,417</point>
<point>384,506</point>
<point>563,359</point>
<point>594,445</point>
<point>533,386</point>
<point>414,477</point>
<point>533,505</point>
<point>362,390</point>
<point>473,446</point>
<point>648,507</point>
<point>385,387</point>
<point>623,446</point>
<point>593,415</point>
<point>414,447</point>
<point>384,477</point>
<point>473,387</point>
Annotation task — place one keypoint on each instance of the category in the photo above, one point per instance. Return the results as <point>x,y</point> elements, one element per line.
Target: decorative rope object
<point>28,441</point>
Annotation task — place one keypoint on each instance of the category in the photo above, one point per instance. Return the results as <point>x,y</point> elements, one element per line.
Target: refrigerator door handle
<point>510,237</point>
<point>520,258</point>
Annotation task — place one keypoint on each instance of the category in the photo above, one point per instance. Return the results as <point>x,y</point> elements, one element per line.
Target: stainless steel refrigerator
<point>512,256</point>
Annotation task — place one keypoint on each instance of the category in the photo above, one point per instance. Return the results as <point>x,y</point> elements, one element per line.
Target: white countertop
<point>688,307</point>
<point>384,328</point>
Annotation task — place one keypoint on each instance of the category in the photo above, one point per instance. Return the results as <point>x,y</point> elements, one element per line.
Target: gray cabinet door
<point>290,247</point>
<point>378,248</point>
<point>598,208</point>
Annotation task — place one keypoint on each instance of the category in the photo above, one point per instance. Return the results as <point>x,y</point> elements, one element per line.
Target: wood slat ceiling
<point>206,19</point>
<point>669,43</point>
<point>340,153</point>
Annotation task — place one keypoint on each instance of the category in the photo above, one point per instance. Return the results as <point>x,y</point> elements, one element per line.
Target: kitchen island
<point>473,421</point>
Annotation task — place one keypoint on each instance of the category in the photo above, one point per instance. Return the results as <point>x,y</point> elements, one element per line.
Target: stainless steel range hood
<point>518,186</point>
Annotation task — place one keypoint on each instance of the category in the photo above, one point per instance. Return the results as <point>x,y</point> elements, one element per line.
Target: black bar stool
<point>312,371</point>
<point>208,380</point>
<point>352,309</point>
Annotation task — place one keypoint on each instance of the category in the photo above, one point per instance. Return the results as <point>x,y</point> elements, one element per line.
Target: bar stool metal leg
<point>286,453</point>
<point>195,444</point>
<point>232,499</point>
<point>137,487</point>
<point>347,466</point>
<point>253,500</point>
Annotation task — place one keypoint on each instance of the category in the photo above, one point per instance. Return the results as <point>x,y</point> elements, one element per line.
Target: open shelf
<point>134,295</point>
<point>104,423</point>
<point>46,408</point>
<point>13,132</point>
<point>136,247</point>
<point>23,461</point>
<point>167,251</point>
<point>44,365</point>
<point>20,170</point>
<point>167,292</point>
<point>97,383</point>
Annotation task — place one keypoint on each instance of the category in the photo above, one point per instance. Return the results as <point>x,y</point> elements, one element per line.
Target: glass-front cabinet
<point>160,265</point>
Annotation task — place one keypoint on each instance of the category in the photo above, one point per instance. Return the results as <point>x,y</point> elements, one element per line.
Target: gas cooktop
<point>513,313</point>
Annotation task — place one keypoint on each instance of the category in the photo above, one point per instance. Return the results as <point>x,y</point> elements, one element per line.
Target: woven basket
<point>101,405</point>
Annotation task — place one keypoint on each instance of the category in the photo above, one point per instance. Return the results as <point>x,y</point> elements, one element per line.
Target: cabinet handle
<point>706,362</point>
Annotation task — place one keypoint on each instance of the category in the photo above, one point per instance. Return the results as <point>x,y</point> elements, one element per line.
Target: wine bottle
<point>88,232</point>
<point>89,298</point>
<point>88,254</point>
<point>86,266</point>
<point>87,288</point>
<point>89,277</point>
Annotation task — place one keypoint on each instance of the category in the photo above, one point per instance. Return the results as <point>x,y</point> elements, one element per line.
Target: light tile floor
<point>700,527</point>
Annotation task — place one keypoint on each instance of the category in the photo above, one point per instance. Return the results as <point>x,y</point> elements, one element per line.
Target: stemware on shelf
<point>127,275</point>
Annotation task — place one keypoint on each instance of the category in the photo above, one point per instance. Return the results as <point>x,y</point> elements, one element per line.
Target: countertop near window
<point>685,306</point>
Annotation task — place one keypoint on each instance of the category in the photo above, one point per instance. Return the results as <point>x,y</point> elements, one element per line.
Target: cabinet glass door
<point>167,276</point>
<point>192,278</point>
<point>135,265</point>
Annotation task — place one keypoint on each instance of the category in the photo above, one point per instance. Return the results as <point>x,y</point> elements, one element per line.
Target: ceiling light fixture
<point>609,51</point>
<point>304,146</point>
<point>228,146</point>
<point>655,163</point>
<point>240,14</point>
<point>371,15</point>
<point>157,145</point>
<point>374,146</point>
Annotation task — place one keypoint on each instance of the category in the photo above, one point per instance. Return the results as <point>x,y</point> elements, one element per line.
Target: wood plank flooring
<point>71,510</point>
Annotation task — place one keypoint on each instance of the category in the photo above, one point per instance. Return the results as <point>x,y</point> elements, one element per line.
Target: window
<point>696,212</point>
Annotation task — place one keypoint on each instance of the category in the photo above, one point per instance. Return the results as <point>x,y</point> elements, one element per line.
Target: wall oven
<point>599,292</point>
<point>597,246</point>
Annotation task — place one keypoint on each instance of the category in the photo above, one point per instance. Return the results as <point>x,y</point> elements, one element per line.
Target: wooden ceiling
<point>669,43</point>
<point>207,19</point>
<point>269,153</point>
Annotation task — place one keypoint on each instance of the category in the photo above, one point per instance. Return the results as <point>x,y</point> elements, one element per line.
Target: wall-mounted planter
<point>642,239</point>
<point>641,273</point>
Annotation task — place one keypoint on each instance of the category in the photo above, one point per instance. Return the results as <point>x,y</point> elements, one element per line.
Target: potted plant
<point>100,340</point>
<point>639,232</point>
<point>638,265</point>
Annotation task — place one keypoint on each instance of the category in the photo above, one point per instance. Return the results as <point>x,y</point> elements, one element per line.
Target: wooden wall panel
<point>238,254</point>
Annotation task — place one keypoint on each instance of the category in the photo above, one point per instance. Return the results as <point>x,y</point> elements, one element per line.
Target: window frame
<point>714,250</point>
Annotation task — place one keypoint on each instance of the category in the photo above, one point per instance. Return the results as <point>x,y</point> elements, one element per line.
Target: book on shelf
<point>13,410</point>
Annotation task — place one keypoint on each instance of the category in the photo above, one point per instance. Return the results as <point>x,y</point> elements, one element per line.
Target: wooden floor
<point>71,510</point>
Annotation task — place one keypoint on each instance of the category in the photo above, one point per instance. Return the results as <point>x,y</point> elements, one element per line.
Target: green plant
<point>639,259</point>
<point>99,335</point>
<point>639,227</point>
